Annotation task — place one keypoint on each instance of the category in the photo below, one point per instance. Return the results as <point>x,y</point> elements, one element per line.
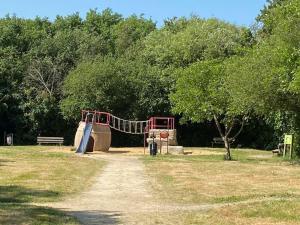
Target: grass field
<point>36,174</point>
<point>255,188</point>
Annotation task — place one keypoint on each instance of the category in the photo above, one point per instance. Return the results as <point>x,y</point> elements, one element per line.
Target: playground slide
<point>85,138</point>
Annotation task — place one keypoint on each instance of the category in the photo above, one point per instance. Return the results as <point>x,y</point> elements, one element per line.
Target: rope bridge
<point>127,126</point>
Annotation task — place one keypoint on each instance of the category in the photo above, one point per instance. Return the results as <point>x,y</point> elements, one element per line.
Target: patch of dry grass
<point>140,151</point>
<point>30,174</point>
<point>263,213</point>
<point>203,178</point>
<point>55,170</point>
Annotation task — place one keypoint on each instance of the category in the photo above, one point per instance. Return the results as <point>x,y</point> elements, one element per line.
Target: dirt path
<point>120,194</point>
<point>121,189</point>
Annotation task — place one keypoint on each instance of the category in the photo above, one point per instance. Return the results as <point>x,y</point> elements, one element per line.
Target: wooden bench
<point>217,140</point>
<point>50,140</point>
<point>279,150</point>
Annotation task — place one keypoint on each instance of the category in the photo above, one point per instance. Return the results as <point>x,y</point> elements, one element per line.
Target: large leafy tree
<point>131,30</point>
<point>266,78</point>
<point>99,84</point>
<point>201,94</point>
<point>125,87</point>
<point>182,42</point>
<point>16,38</point>
<point>267,18</point>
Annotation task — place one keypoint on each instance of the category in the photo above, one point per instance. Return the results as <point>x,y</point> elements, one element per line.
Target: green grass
<point>35,174</point>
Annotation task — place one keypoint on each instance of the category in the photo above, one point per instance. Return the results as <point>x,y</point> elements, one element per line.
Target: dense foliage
<point>210,73</point>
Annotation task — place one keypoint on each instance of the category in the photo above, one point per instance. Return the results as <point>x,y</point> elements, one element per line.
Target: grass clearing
<point>35,174</point>
<point>252,176</point>
<point>265,213</point>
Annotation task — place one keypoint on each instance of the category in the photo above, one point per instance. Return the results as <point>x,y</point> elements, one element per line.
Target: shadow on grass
<point>95,217</point>
<point>19,194</point>
<point>16,208</point>
<point>118,152</point>
<point>3,161</point>
<point>109,152</point>
<point>29,214</point>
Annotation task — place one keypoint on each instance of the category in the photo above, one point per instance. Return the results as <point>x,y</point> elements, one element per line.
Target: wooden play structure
<point>94,132</point>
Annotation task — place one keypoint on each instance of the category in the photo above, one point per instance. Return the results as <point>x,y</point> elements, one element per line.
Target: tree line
<point>219,79</point>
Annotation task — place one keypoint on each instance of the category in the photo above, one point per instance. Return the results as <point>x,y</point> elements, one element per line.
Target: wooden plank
<point>51,140</point>
<point>51,137</point>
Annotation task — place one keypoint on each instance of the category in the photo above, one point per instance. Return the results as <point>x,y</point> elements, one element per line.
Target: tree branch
<point>218,126</point>
<point>230,129</point>
<point>241,128</point>
<point>36,75</point>
<point>3,98</point>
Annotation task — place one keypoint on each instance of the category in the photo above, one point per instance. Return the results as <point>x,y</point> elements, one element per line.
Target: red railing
<point>161,123</point>
<point>102,118</point>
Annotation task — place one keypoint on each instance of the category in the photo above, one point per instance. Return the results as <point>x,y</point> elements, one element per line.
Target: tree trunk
<point>225,139</point>
<point>227,147</point>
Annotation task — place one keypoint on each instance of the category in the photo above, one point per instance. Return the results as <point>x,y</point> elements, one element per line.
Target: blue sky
<point>241,12</point>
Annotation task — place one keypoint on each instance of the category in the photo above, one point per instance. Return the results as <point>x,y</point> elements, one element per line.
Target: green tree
<point>201,94</point>
<point>131,30</point>
<point>102,24</point>
<point>67,23</point>
<point>265,79</point>
<point>99,84</point>
<point>180,45</point>
<point>266,16</point>
<point>16,37</point>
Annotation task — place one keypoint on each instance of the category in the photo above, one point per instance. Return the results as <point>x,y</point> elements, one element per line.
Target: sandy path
<point>120,193</point>
<point>121,189</point>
